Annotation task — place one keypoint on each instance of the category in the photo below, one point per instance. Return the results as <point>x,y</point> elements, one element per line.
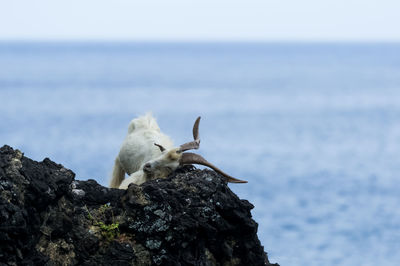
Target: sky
<point>205,20</point>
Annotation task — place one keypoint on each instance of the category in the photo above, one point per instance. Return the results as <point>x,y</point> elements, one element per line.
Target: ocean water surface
<point>314,128</point>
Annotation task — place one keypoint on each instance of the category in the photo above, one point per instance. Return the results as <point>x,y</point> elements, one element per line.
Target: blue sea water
<point>314,128</point>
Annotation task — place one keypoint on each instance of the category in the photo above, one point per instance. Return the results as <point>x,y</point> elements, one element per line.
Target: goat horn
<point>193,144</point>
<point>196,129</point>
<point>193,158</point>
<point>160,146</point>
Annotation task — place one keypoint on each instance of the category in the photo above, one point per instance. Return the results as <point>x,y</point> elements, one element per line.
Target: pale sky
<point>201,20</point>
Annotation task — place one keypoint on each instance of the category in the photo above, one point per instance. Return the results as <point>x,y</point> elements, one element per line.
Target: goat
<point>147,153</point>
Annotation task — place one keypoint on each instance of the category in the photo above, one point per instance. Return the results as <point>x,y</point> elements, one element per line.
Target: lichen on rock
<point>189,218</point>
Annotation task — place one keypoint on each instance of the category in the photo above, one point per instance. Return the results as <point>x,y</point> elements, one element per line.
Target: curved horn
<point>193,158</point>
<point>193,144</point>
<point>196,129</point>
<point>159,146</point>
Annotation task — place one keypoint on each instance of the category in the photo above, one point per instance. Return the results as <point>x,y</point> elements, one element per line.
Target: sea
<point>313,127</point>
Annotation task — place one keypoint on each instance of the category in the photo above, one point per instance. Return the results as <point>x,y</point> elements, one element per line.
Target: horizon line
<point>204,41</point>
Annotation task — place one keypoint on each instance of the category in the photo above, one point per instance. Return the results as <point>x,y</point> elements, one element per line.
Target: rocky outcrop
<point>190,218</point>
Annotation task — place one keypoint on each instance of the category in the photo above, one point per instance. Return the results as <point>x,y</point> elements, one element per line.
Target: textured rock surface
<point>190,218</point>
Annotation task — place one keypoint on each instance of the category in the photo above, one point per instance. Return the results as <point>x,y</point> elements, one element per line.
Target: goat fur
<point>138,149</point>
<point>147,154</point>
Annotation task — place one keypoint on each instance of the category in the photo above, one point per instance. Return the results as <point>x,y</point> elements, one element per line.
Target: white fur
<point>159,167</point>
<point>137,149</point>
<point>137,178</point>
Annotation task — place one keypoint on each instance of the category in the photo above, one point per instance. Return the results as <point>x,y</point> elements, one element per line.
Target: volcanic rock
<point>190,218</point>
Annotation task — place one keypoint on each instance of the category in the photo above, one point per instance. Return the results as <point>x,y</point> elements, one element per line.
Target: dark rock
<point>189,218</point>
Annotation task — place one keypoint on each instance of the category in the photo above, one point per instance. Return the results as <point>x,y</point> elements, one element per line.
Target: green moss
<point>89,215</point>
<point>109,231</point>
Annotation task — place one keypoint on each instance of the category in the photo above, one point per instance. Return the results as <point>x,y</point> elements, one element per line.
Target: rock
<point>189,218</point>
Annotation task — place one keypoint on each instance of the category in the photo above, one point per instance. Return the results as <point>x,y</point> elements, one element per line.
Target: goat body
<point>147,153</point>
<point>138,148</point>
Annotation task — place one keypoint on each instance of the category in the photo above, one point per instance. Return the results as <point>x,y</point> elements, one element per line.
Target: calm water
<point>315,128</point>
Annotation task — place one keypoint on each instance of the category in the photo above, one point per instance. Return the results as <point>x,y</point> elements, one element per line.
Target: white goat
<point>147,153</point>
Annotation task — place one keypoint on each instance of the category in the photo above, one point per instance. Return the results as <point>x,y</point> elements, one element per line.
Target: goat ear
<point>193,144</point>
<point>193,158</point>
<point>159,146</point>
